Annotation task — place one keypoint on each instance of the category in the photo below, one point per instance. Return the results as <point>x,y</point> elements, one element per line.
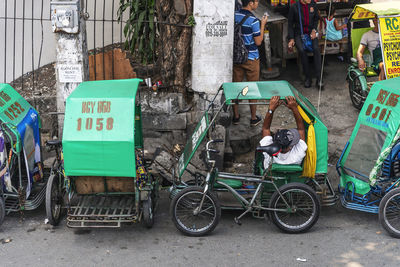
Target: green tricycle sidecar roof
<point>99,129</point>
<point>13,107</point>
<point>257,90</point>
<point>266,90</point>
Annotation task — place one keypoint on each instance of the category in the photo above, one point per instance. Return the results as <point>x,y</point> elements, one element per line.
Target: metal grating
<point>102,211</point>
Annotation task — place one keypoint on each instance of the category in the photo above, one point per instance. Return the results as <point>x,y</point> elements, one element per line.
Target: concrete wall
<point>11,68</point>
<point>212,44</point>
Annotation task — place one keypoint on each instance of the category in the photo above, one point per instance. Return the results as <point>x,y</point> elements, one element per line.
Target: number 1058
<point>99,124</point>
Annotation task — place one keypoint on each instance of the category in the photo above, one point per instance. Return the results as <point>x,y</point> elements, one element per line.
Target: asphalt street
<point>340,238</point>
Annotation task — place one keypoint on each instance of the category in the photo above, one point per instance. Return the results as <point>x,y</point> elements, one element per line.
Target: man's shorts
<point>250,69</point>
<point>377,59</point>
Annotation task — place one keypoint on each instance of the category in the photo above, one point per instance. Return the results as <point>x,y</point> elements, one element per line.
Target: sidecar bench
<point>286,168</point>
<point>235,184</point>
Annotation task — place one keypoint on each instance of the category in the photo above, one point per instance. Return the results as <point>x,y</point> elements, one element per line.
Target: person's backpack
<point>240,52</point>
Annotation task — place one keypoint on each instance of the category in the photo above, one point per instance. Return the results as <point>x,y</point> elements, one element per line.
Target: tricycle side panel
<point>193,143</point>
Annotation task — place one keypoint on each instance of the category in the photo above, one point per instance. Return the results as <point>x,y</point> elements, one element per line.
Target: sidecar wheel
<point>148,216</point>
<point>54,199</point>
<point>389,212</point>
<point>302,212</point>
<point>2,210</point>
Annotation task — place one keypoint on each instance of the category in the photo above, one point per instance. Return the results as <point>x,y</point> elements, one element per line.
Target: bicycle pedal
<point>237,221</point>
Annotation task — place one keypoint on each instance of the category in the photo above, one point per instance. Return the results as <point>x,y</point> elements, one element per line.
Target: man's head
<point>305,1</point>
<point>250,4</point>
<point>287,139</point>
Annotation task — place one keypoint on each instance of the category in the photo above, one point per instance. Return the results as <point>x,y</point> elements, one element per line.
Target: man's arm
<point>273,104</point>
<point>290,23</point>
<point>258,39</point>
<point>316,19</point>
<point>360,52</point>
<point>292,105</point>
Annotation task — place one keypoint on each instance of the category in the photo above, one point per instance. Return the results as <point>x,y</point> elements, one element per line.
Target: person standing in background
<point>309,17</point>
<point>252,34</point>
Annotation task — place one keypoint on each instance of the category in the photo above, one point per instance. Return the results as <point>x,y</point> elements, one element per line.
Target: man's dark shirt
<point>309,15</point>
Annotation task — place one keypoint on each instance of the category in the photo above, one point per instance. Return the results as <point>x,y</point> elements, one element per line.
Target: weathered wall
<point>212,44</point>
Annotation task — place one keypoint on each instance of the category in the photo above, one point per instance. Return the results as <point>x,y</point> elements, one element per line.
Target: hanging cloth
<point>310,161</point>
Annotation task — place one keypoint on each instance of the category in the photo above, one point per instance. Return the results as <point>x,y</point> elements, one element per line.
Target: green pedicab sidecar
<point>292,173</point>
<point>369,165</point>
<point>106,181</point>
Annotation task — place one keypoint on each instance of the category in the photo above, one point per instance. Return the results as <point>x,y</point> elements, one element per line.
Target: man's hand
<point>361,64</point>
<point>274,102</point>
<point>360,52</point>
<point>313,34</point>
<point>291,102</point>
<point>291,43</point>
<point>264,20</point>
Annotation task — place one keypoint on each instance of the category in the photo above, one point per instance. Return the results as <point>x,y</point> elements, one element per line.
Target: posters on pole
<point>389,28</point>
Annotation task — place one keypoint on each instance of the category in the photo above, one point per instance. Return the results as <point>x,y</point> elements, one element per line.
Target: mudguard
<point>357,74</point>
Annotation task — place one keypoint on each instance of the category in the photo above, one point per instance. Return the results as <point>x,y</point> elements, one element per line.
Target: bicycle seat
<point>54,142</point>
<point>272,149</point>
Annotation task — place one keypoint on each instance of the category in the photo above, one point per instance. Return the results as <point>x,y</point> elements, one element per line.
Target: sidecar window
<point>364,152</point>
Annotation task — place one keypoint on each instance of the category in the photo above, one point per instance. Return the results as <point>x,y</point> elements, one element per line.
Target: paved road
<point>340,237</point>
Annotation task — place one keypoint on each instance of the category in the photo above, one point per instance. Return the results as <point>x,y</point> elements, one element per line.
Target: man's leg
<point>238,75</point>
<point>381,72</point>
<point>317,59</point>
<point>304,60</point>
<point>253,75</point>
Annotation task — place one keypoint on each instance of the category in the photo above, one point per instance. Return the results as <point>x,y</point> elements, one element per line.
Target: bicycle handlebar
<point>208,150</point>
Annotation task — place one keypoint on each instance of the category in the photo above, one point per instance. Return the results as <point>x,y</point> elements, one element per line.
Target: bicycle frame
<point>213,175</point>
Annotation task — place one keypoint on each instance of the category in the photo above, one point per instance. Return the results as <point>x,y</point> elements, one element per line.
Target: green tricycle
<point>291,195</point>
<point>99,174</point>
<point>23,179</point>
<point>369,167</point>
<point>360,22</point>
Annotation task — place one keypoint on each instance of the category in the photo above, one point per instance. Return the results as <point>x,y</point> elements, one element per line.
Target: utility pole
<point>72,65</point>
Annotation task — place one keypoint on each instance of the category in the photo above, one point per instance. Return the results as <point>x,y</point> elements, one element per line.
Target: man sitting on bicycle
<point>371,41</point>
<point>292,141</point>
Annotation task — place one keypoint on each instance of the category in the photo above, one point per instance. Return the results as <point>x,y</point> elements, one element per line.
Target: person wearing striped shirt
<point>252,34</point>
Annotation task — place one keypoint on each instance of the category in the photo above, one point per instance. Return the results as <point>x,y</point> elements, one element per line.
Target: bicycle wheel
<point>187,215</point>
<point>54,199</point>
<point>357,94</point>
<point>389,212</point>
<point>302,212</point>
<point>2,209</point>
<point>148,218</point>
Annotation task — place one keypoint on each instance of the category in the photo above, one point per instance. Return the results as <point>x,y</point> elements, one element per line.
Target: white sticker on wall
<point>71,73</point>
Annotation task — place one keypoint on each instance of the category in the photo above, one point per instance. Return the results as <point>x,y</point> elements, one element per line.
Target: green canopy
<point>13,110</point>
<point>374,132</point>
<point>99,129</point>
<point>13,107</point>
<point>265,91</point>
